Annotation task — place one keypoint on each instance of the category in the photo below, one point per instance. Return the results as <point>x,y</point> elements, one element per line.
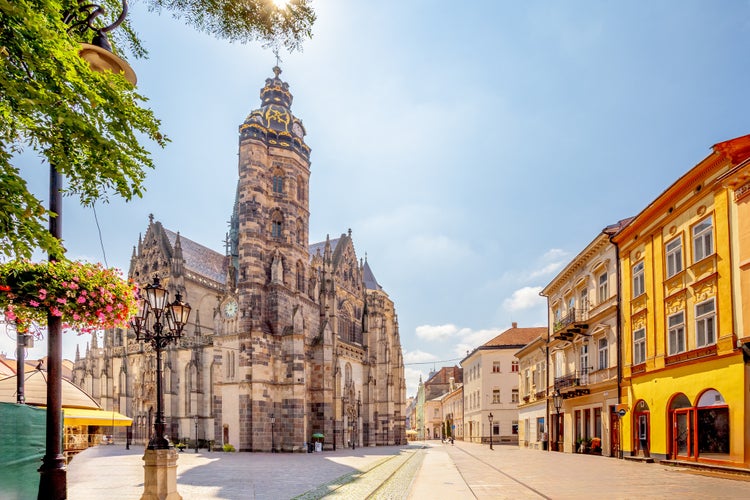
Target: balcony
<point>570,325</point>
<point>573,384</point>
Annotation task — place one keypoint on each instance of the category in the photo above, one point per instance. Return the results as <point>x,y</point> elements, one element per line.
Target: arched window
<point>300,189</point>
<point>277,181</point>
<point>123,383</point>
<point>300,277</point>
<point>348,374</point>
<point>300,233</point>
<point>277,225</point>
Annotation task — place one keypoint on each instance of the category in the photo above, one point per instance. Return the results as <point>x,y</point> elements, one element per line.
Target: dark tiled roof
<point>314,247</point>
<point>199,259</point>
<point>370,282</point>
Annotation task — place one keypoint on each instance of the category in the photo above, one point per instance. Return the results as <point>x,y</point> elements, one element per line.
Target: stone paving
<point>112,472</point>
<point>437,471</point>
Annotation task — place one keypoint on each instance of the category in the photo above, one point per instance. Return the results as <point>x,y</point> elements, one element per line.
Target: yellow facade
<point>684,378</point>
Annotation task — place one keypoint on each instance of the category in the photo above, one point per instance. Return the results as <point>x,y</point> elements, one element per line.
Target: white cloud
<point>547,270</point>
<point>438,332</point>
<point>524,298</point>
<point>418,357</point>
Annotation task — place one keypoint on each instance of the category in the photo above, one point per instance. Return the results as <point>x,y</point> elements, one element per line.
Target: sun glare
<point>280,3</point>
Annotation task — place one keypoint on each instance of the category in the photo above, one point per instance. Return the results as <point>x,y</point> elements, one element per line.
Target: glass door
<point>683,426</point>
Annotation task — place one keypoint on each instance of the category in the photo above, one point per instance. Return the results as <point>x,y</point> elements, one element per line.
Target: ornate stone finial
<point>150,218</point>
<point>276,71</point>
<point>350,232</point>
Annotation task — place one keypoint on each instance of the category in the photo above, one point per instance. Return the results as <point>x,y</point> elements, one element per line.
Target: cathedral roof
<point>370,282</point>
<point>320,246</point>
<point>274,123</point>
<point>199,259</point>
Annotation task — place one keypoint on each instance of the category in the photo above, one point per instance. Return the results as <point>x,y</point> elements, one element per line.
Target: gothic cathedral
<point>287,342</point>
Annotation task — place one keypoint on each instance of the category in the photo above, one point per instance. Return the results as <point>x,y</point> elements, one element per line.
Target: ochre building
<point>287,341</point>
<point>684,262</point>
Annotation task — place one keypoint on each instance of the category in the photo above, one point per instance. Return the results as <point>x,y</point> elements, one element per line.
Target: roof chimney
<point>515,325</point>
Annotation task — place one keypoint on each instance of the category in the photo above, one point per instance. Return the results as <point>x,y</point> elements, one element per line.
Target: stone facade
<point>286,339</point>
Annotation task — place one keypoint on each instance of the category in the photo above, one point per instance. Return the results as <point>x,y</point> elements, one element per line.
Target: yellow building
<point>685,381</point>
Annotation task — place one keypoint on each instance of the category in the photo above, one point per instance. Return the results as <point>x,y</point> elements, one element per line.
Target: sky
<point>473,148</point>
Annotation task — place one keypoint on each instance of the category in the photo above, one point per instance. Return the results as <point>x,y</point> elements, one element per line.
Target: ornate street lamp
<point>154,309</point>
<point>557,401</point>
<point>490,419</point>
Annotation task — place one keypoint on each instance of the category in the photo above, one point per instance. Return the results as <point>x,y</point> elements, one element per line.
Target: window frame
<point>639,346</point>
<point>673,257</point>
<point>704,319</point>
<point>496,396</point>
<point>676,333</point>
<point>639,279</point>
<point>603,353</point>
<point>701,237</point>
<point>602,289</point>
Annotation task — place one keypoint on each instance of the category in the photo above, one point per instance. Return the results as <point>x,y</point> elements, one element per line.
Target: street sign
<point>622,412</point>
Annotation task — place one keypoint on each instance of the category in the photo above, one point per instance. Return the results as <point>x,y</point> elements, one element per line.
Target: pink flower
<point>76,316</point>
<point>42,293</point>
<point>55,311</point>
<point>33,303</point>
<point>109,309</point>
<point>81,300</point>
<point>61,301</point>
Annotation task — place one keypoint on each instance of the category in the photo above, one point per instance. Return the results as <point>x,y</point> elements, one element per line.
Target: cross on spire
<point>278,61</point>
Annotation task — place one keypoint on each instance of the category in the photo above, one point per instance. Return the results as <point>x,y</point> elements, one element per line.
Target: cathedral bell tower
<point>273,205</point>
<point>270,255</point>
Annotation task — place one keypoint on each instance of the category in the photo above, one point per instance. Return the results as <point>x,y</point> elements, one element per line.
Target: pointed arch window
<point>300,232</point>
<point>277,181</point>
<point>277,225</point>
<point>300,189</point>
<point>300,277</point>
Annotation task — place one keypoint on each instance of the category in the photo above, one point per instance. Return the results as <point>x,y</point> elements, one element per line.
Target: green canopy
<point>318,435</point>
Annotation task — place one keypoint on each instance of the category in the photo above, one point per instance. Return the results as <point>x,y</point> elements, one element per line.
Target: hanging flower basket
<point>86,296</point>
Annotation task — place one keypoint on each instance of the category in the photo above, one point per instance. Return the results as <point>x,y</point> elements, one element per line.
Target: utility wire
<point>101,241</point>
<point>433,362</point>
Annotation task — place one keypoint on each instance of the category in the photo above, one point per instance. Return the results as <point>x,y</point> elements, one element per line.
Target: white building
<point>491,386</point>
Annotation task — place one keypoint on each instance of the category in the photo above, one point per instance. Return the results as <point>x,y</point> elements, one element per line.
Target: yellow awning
<point>80,416</point>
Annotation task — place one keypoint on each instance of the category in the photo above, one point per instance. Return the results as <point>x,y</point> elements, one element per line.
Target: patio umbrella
<point>318,435</point>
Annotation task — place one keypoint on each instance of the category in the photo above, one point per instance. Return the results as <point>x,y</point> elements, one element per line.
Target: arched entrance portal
<point>682,430</point>
<point>642,426</point>
<point>712,424</point>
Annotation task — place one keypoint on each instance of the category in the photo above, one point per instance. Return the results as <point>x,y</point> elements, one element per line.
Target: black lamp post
<point>557,400</point>
<point>155,308</point>
<point>195,421</point>
<point>356,424</point>
<point>273,433</point>
<point>490,419</point>
<point>333,424</point>
<point>53,483</point>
